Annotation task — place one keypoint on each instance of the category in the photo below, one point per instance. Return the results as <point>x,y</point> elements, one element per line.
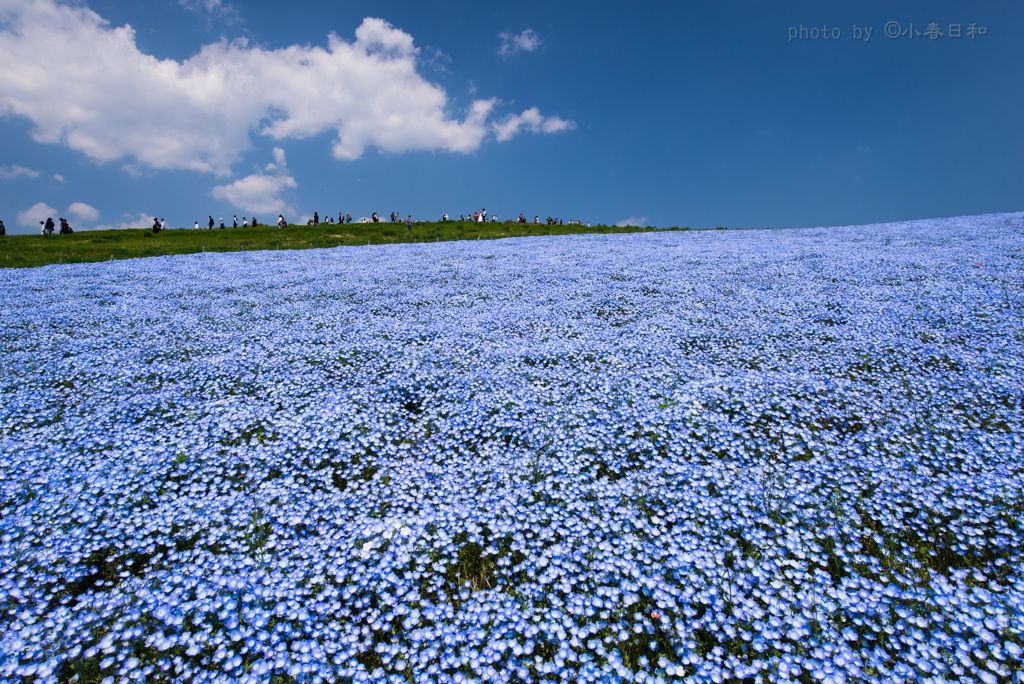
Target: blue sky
<point>662,113</point>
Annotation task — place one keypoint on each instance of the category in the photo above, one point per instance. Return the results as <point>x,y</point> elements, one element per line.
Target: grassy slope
<point>39,250</point>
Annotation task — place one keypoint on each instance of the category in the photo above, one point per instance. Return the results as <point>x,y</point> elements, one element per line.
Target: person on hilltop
<point>222,223</point>
<point>156,225</point>
<point>281,223</point>
<point>3,228</point>
<point>408,223</point>
<point>245,222</point>
<point>254,224</point>
<point>65,227</point>
<point>236,221</point>
<point>211,223</point>
<point>197,226</point>
<point>47,226</point>
<point>316,220</point>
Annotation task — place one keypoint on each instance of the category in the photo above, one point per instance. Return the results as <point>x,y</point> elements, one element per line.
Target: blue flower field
<point>711,456</point>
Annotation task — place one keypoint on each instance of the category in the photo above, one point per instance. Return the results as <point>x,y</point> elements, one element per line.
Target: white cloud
<point>94,91</point>
<point>527,41</point>
<point>15,171</point>
<point>40,211</point>
<point>59,178</point>
<point>632,221</point>
<point>209,10</point>
<point>260,192</point>
<point>531,121</point>
<point>140,220</point>
<point>83,212</point>
<point>437,60</point>
<point>279,162</point>
<point>212,7</point>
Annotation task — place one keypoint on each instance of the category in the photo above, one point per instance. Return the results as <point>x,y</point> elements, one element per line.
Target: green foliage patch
<point>20,251</point>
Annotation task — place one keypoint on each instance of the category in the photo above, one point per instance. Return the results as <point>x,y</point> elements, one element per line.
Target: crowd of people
<point>481,217</point>
<point>396,217</point>
<point>234,223</point>
<point>48,226</point>
<point>343,218</point>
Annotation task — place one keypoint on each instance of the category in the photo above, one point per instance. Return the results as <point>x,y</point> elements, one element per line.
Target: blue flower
<point>738,454</point>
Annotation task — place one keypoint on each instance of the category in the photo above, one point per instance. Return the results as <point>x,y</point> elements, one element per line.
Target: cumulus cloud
<point>40,211</point>
<point>260,192</point>
<point>59,178</point>
<point>94,91</point>
<point>31,217</point>
<point>531,121</point>
<point>15,171</point>
<point>139,220</point>
<point>632,221</point>
<point>527,41</point>
<point>83,212</point>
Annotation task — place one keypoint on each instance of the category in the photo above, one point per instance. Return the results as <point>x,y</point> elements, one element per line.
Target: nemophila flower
<point>733,455</point>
